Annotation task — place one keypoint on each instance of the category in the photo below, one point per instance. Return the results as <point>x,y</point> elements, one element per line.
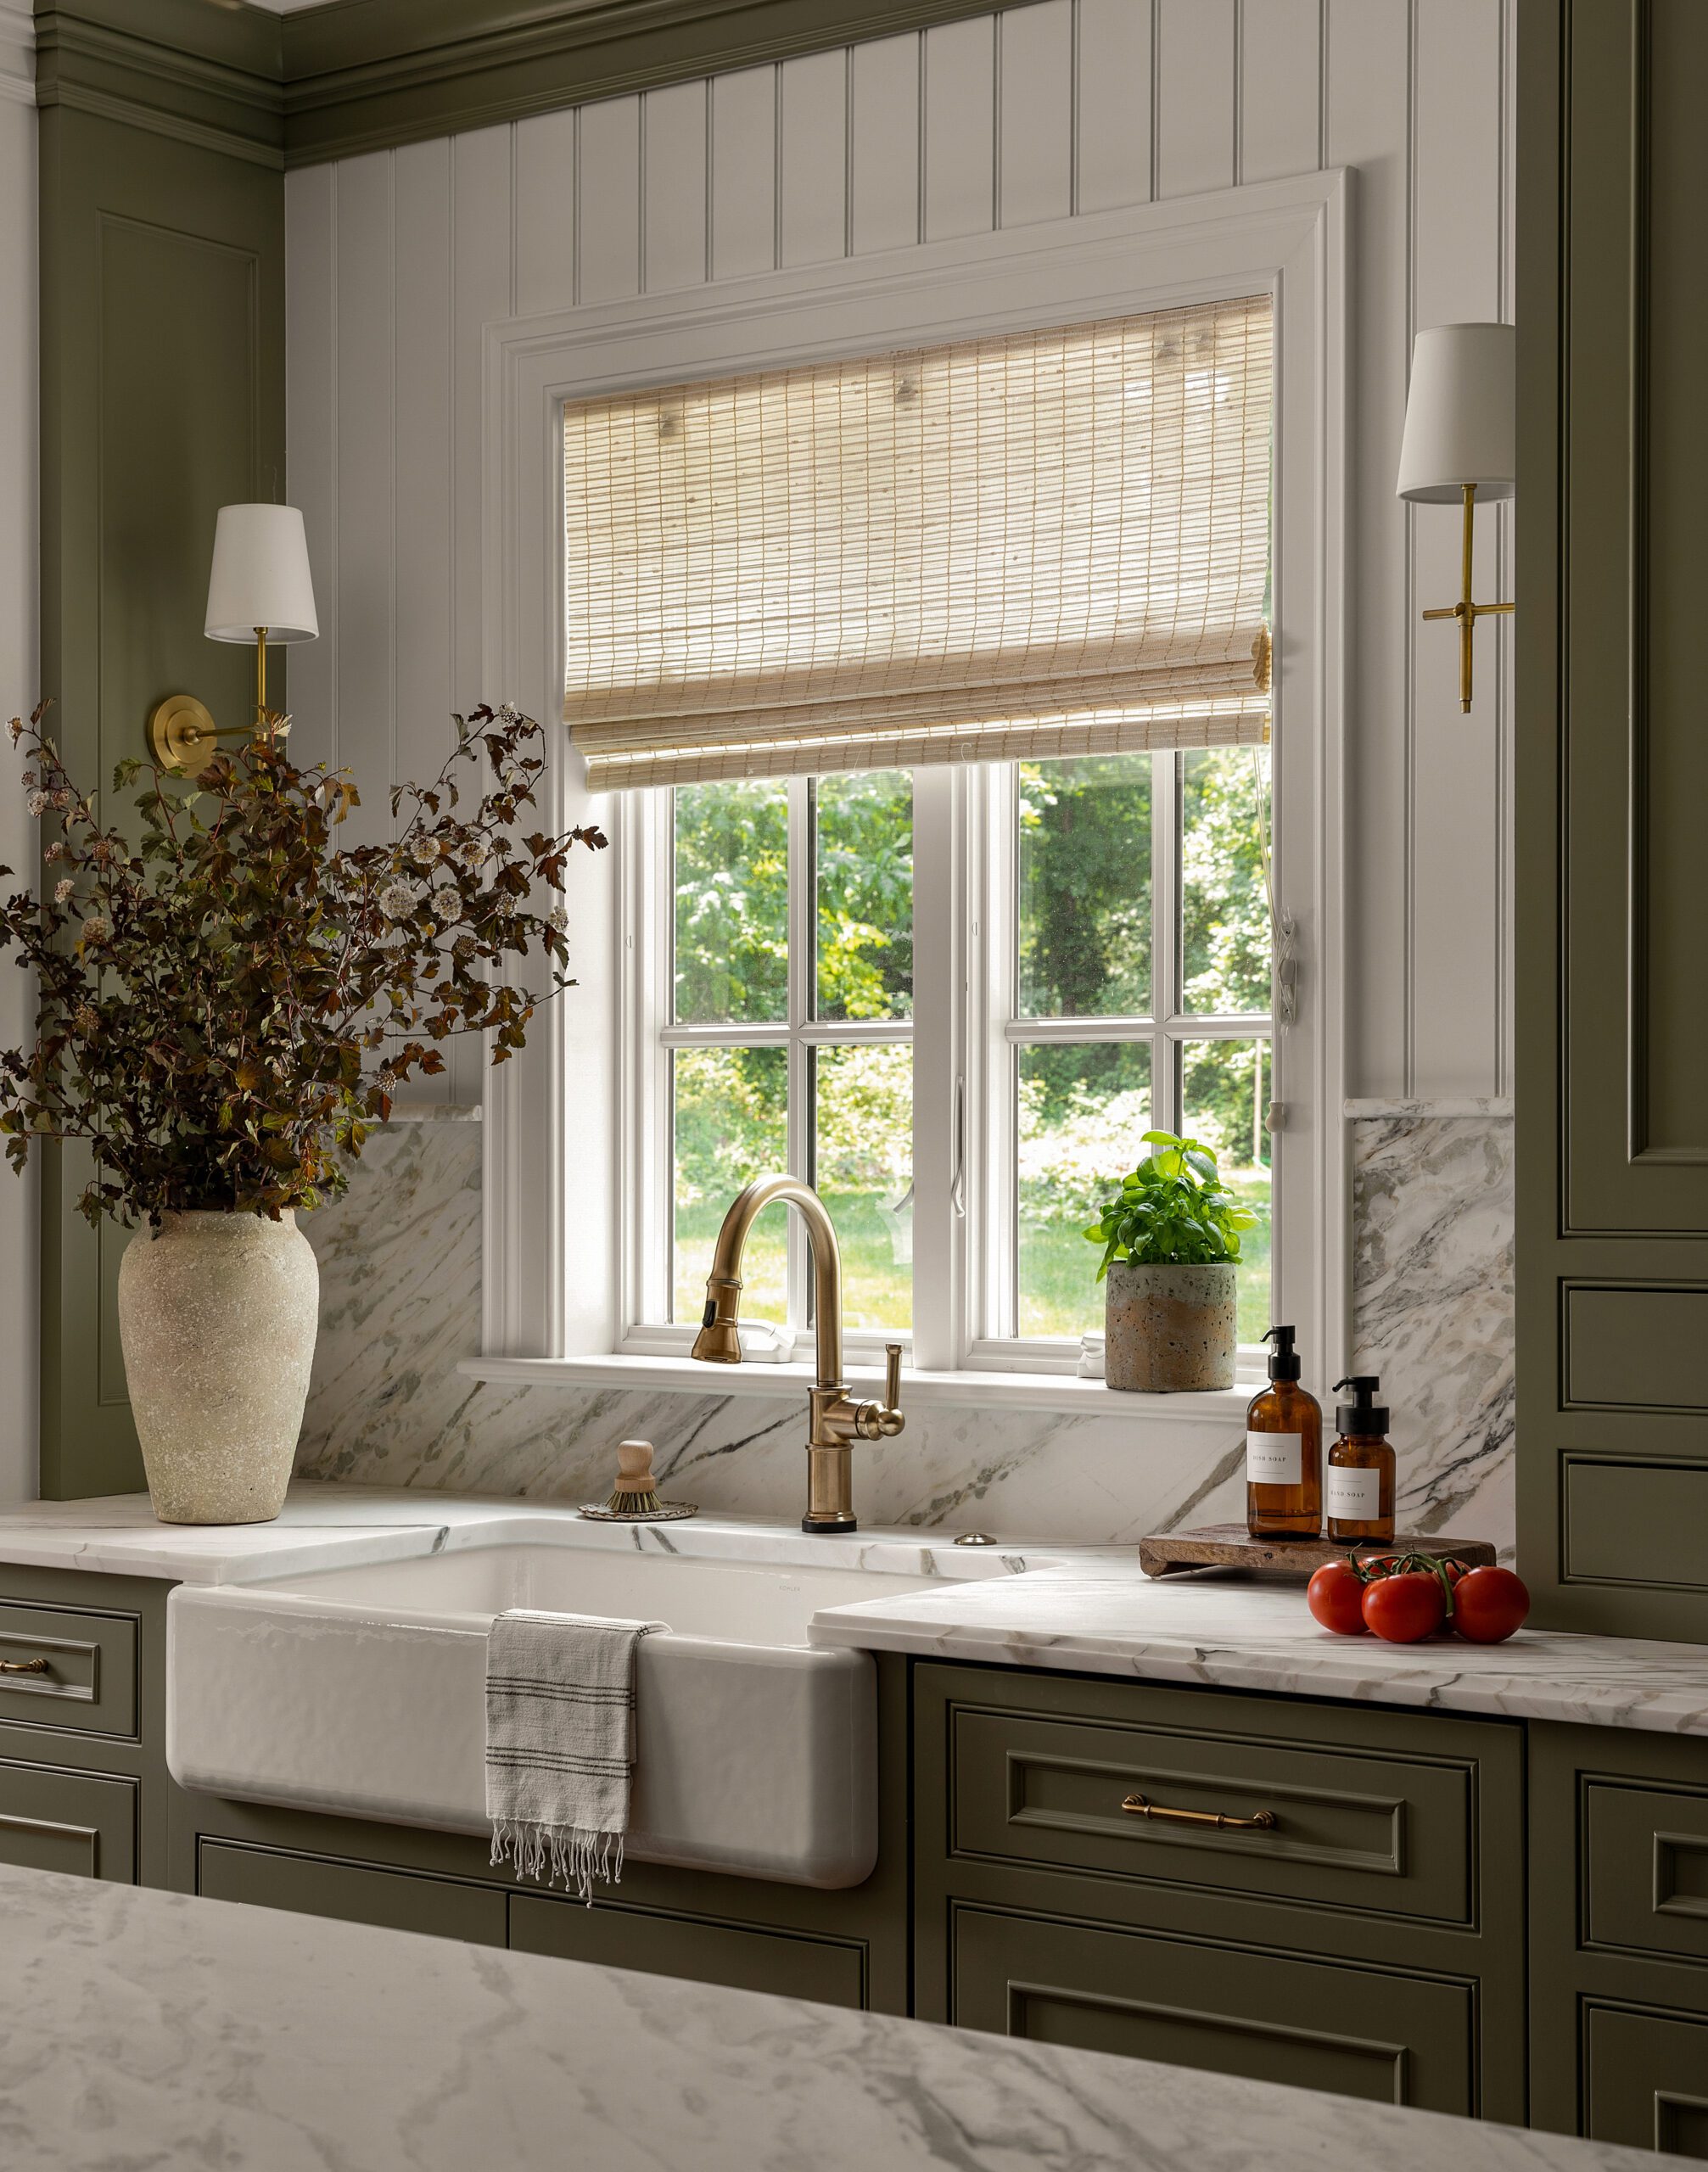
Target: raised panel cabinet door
<point>75,1822</point>
<point>831,1971</point>
<point>351,1893</point>
<point>1646,2079</point>
<point>1382,2034</point>
<point>1612,774</point>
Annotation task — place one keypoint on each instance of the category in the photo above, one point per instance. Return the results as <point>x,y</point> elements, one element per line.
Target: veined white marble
<point>1245,1636</point>
<point>166,2031</point>
<point>1432,1283</point>
<point>401,1279</point>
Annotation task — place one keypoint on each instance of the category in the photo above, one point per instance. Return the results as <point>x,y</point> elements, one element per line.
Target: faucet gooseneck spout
<point>835,1422</point>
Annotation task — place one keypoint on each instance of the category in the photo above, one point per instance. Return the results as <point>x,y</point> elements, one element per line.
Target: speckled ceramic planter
<point>218,1315</point>
<point>1170,1329</point>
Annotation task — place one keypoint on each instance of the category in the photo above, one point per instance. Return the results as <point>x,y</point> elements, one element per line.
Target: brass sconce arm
<point>1464,610</point>
<point>181,732</point>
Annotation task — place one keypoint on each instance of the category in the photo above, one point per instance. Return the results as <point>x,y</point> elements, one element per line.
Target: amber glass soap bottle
<point>1361,1468</point>
<point>1284,1451</point>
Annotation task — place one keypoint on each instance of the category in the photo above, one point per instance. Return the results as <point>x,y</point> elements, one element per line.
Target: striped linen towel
<point>560,1743</point>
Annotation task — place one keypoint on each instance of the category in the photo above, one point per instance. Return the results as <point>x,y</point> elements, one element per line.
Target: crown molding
<point>195,70</point>
<point>17,51</point>
<point>365,74</point>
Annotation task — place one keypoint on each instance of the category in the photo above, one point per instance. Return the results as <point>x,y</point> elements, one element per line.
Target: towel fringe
<point>574,1855</point>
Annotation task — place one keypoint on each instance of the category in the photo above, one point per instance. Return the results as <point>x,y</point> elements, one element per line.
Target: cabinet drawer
<point>72,1821</point>
<point>352,1893</point>
<point>1270,2016</point>
<point>1386,1835</point>
<point>1645,2080</point>
<point>89,1682</point>
<point>659,1945</point>
<point>1646,1851</point>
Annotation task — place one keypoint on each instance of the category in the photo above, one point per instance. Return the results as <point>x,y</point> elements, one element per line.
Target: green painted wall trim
<point>191,69</point>
<point>362,74</point>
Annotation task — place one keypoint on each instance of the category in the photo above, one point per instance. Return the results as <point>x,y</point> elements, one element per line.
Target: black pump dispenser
<point>1284,1359</point>
<point>1363,1418</point>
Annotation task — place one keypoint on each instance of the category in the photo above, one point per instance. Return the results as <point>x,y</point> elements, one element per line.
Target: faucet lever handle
<point>892,1376</point>
<point>883,1421</point>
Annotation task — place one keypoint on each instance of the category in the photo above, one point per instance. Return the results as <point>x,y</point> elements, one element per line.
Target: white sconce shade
<point>260,576</point>
<point>1460,414</point>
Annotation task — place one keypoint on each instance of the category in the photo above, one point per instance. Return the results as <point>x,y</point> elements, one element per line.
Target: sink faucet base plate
<point>830,1526</point>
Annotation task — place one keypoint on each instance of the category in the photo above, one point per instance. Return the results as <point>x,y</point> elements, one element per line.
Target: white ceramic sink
<point>360,1690</point>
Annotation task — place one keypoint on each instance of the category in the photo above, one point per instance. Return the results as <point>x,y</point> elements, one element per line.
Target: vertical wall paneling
<point>676,246</point>
<point>544,180</point>
<point>744,173</point>
<point>1017,117</point>
<point>1112,103</point>
<point>884,100</point>
<point>366,529</point>
<point>1034,112</point>
<point>1505,572</point>
<point>607,203</point>
<point>1281,73</point>
<point>1197,91</point>
<point>1453,794</point>
<point>1368,124</point>
<point>812,162</point>
<point>958,90</point>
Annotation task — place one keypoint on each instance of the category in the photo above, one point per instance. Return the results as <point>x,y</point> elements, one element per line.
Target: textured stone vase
<point>218,1315</point>
<point>1170,1329</point>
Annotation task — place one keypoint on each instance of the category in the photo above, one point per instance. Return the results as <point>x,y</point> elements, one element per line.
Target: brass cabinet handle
<point>1264,1821</point>
<point>23,1667</point>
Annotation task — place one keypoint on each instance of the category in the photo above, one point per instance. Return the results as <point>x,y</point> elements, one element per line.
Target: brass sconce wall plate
<point>182,734</point>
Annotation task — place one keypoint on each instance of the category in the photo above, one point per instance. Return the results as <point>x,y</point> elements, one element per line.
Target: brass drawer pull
<point>1264,1821</point>
<point>23,1667</point>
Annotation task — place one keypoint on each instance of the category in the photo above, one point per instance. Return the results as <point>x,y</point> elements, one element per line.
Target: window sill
<point>1062,1393</point>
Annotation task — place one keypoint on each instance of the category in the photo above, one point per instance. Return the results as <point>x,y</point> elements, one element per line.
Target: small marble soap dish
<point>635,1499</point>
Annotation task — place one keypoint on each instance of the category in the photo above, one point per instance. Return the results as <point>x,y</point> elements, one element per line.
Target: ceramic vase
<point>1169,1330</point>
<point>218,1314</point>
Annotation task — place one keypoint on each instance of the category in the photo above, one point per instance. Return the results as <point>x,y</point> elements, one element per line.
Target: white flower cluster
<point>397,901</point>
<point>98,930</point>
<point>64,890</point>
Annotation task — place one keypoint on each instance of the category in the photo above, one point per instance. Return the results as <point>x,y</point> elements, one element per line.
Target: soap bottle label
<point>1275,1458</point>
<point>1355,1496</point>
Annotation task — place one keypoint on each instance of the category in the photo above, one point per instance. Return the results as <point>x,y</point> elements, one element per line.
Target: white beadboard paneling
<point>812,163</point>
<point>1034,112</point>
<point>19,665</point>
<point>959,128</point>
<point>885,163</point>
<point>608,201</point>
<point>1453,796</point>
<point>311,437</point>
<point>744,173</point>
<point>544,182</point>
<point>1112,101</point>
<point>1014,117</point>
<point>1369,127</point>
<point>676,236</point>
<point>366,563</point>
<point>1280,81</point>
<point>1197,91</point>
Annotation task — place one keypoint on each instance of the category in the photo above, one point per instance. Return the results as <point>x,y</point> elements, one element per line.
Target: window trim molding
<point>1288,237</point>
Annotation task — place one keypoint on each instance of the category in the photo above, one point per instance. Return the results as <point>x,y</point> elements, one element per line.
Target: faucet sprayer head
<point>719,1339</point>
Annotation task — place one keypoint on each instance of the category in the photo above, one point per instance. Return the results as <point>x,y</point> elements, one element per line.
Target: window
<point>1049,551</point>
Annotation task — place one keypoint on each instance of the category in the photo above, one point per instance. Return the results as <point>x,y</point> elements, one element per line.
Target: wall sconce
<point>259,590</point>
<point>1459,439</point>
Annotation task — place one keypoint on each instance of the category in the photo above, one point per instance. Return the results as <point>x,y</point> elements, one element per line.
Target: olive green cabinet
<point>1619,1936</point>
<point>1329,1895</point>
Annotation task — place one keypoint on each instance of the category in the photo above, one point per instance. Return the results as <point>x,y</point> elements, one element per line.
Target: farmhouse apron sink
<point>360,1690</point>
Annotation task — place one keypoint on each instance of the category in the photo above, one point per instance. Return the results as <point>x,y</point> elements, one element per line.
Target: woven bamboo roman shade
<point>1048,543</point>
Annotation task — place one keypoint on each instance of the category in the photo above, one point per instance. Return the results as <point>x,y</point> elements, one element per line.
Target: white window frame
<point>567,1200</point>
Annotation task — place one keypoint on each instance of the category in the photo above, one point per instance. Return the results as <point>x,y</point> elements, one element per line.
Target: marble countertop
<point>162,2029</point>
<point>1247,1635</point>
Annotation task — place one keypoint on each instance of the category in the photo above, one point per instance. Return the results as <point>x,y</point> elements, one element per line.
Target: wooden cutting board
<point>1231,1546</point>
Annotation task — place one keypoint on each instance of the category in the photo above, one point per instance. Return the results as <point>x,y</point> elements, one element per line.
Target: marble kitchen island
<point>150,2028</point>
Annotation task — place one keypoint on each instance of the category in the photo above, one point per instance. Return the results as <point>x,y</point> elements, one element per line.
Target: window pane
<point>1224,909</point>
<point>863,1112</point>
<point>1082,1114</point>
<point>732,903</point>
<point>863,901</point>
<point>730,1115</point>
<point>1084,930</point>
<point>1225,1089</point>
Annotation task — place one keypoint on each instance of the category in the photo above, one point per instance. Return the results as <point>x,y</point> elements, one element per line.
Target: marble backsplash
<point>401,1279</point>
